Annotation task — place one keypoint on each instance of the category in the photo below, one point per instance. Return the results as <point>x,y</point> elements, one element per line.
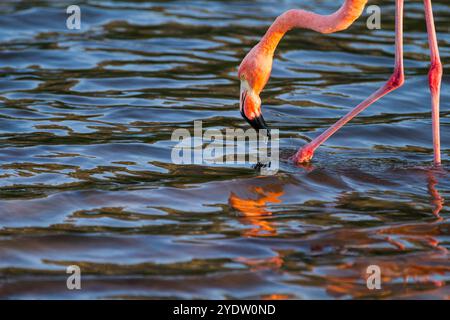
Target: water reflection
<point>346,281</point>
<point>253,203</point>
<point>436,199</point>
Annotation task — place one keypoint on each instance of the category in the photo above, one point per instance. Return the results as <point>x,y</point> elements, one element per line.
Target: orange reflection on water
<point>272,263</point>
<point>254,208</point>
<point>277,297</point>
<point>436,200</point>
<point>412,270</point>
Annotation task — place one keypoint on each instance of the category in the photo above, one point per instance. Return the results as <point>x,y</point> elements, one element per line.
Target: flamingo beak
<point>257,122</point>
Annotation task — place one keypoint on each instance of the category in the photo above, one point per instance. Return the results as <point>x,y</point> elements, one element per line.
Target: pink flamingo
<point>254,71</point>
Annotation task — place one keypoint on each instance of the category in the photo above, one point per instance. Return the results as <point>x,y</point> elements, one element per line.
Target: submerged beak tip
<point>258,123</point>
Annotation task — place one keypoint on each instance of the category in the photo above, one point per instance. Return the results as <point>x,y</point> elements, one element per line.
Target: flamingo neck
<point>337,21</point>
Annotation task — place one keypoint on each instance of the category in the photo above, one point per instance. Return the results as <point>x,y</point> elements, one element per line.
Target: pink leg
<point>434,77</point>
<point>395,81</point>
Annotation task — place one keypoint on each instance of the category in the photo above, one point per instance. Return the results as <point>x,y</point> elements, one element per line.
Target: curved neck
<point>337,21</point>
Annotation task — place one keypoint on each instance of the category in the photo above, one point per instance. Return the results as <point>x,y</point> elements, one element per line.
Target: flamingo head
<point>254,72</point>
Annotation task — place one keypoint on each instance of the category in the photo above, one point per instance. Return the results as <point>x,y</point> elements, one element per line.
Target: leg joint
<point>397,79</point>
<point>435,75</point>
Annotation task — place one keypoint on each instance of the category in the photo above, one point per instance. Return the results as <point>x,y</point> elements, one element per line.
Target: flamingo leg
<point>395,81</point>
<point>434,77</point>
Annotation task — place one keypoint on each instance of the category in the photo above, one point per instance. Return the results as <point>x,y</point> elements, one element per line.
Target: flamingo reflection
<point>420,270</point>
<point>436,199</point>
<point>254,208</point>
<point>253,205</point>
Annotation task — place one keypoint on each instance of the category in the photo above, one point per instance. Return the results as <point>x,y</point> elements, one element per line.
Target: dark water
<point>86,176</point>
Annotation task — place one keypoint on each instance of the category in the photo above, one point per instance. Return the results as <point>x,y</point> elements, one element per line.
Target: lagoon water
<point>86,176</point>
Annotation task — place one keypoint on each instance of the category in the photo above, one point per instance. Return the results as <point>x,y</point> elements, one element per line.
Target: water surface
<point>86,176</point>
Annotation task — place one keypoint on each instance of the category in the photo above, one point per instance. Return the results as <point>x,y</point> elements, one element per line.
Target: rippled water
<point>86,176</point>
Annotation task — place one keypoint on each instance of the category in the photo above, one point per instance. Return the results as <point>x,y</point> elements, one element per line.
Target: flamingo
<point>255,69</point>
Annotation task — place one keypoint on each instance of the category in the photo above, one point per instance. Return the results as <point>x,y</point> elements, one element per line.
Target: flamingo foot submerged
<point>303,155</point>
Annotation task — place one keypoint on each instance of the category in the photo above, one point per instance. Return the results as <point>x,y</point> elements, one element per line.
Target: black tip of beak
<point>258,123</point>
